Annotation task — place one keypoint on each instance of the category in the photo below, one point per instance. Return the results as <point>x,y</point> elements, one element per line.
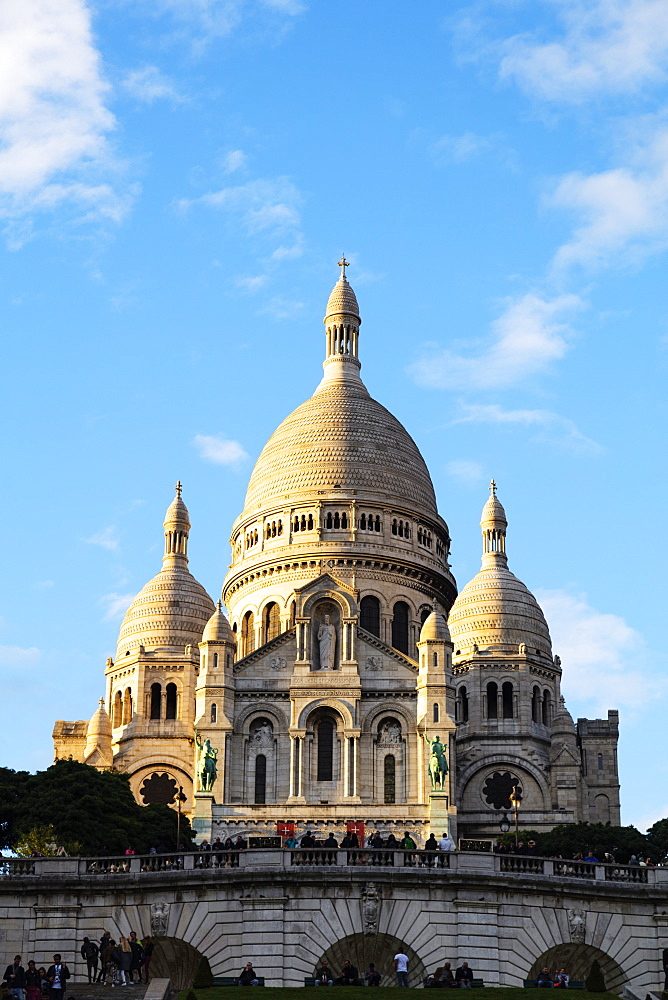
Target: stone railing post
<point>188,860</point>
<point>135,864</point>
<point>599,872</point>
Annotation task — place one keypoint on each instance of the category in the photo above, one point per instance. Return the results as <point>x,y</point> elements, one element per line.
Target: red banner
<point>285,830</point>
<point>356,826</point>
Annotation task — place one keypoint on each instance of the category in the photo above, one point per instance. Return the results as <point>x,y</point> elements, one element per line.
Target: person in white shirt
<point>401,968</point>
<point>445,844</point>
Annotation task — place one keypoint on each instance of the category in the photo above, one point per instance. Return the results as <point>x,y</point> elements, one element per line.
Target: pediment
<point>374,656</point>
<point>563,756</point>
<point>277,656</point>
<point>96,758</point>
<point>325,582</point>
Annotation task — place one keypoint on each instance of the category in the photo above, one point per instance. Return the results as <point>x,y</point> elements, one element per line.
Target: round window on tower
<point>498,788</point>
<point>158,789</point>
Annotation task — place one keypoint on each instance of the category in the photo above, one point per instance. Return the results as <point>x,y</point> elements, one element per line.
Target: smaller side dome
<point>98,734</point>
<point>562,724</point>
<point>217,629</point>
<point>435,627</point>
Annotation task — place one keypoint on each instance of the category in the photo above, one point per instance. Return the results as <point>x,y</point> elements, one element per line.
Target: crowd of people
<point>530,849</point>
<point>121,963</point>
<point>350,976</point>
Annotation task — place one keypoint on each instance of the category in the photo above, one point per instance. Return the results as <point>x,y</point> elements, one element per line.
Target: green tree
<point>595,983</point>
<point>657,841</point>
<point>12,786</point>
<point>93,811</point>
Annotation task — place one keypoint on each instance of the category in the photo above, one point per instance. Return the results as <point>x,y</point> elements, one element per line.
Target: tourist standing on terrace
<point>401,967</point>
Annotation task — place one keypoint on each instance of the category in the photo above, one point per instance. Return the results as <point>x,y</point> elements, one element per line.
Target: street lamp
<point>504,825</point>
<point>516,801</point>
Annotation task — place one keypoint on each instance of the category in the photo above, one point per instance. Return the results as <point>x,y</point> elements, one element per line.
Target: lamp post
<point>516,801</point>
<point>504,825</point>
<point>179,799</point>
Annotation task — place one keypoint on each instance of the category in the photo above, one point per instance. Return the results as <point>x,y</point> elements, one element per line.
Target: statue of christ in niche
<point>327,644</point>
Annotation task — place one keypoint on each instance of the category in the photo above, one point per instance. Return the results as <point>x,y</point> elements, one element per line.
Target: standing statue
<point>326,644</point>
<point>207,769</point>
<point>438,765</point>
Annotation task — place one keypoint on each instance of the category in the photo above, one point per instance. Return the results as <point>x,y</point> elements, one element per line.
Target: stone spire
<point>342,323</point>
<point>177,528</point>
<point>493,523</point>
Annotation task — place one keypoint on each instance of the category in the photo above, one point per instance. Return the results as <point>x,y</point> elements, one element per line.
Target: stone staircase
<point>96,991</point>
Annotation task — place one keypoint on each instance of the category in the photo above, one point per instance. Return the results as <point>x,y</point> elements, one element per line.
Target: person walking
<point>57,975</point>
<point>148,955</point>
<point>90,953</point>
<point>124,959</point>
<point>33,982</point>
<point>401,967</point>
<point>137,957</point>
<point>15,978</point>
<point>109,964</point>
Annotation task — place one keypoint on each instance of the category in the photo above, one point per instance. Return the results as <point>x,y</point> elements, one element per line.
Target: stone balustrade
<point>456,862</point>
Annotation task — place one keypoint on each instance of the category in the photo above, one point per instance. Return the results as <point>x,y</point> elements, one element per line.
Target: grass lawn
<point>380,993</point>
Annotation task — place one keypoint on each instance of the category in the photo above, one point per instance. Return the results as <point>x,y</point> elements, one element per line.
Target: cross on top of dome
<point>343,264</point>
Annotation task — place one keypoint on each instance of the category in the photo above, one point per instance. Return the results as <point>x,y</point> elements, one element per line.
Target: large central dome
<point>343,439</point>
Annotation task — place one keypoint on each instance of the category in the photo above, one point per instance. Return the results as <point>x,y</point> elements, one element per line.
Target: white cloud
<point>149,85</point>
<point>605,662</point>
<point>545,421</point>
<point>218,18</point>
<point>106,538</point>
<point>459,148</point>
<point>116,605</point>
<point>219,450</point>
<point>18,657</point>
<point>53,120</point>
<point>466,472</point>
<point>281,308</point>
<point>624,211</point>
<point>252,283</point>
<point>604,47</point>
<point>267,208</point>
<point>44,584</point>
<point>525,341</point>
<point>234,160</point>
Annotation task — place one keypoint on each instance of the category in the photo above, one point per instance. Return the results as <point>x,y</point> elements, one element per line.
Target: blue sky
<point>177,181</point>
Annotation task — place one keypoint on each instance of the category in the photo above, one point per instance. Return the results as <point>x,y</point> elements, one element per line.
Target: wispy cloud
<point>605,661</point>
<point>210,19</point>
<point>623,211</point>
<point>54,122</point>
<point>219,450</point>
<point>252,283</point>
<point>106,538</point>
<point>603,47</point>
<point>465,471</point>
<point>545,421</point>
<point>116,605</point>
<point>280,308</point>
<point>149,85</point>
<point>525,340</point>
<point>460,148</point>
<point>236,159</point>
<point>19,657</point>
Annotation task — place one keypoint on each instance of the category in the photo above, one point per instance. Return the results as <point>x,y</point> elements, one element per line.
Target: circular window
<point>498,788</point>
<point>158,789</point>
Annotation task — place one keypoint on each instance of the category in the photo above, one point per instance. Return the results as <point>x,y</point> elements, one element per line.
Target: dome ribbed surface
<point>169,612</point>
<point>341,436</point>
<point>495,610</point>
<point>100,724</point>
<point>217,628</point>
<point>435,627</point>
<point>493,512</point>
<point>342,299</point>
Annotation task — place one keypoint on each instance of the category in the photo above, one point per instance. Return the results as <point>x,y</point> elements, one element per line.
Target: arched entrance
<point>176,960</point>
<point>577,960</point>
<point>360,949</point>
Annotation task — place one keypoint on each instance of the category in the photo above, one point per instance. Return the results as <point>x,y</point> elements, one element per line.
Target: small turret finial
<point>492,488</point>
<point>178,488</point>
<point>343,264</point>
<point>219,605</point>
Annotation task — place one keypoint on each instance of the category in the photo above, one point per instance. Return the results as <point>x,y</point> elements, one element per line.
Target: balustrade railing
<point>319,857</point>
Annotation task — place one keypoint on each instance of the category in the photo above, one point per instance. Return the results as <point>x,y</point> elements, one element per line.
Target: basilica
<point>309,694</point>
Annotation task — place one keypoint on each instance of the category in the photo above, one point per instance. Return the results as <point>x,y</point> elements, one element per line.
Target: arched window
<point>247,633</point>
<point>535,705</point>
<point>492,693</point>
<point>293,612</point>
<point>462,705</point>
<point>435,659</point>
<point>215,661</point>
<point>377,524</point>
<point>337,520</point>
<point>547,708</point>
<point>507,700</point>
<point>127,707</point>
<point>260,779</point>
<point>156,701</point>
<point>328,520</point>
<point>394,526</point>
<point>272,622</point>
<point>117,714</point>
<point>303,522</point>
<point>295,526</point>
<point>326,750</point>
<point>170,704</point>
<point>363,522</point>
<point>344,520</point>
<point>310,522</point>
<point>435,713</point>
<point>389,779</point>
<point>600,762</point>
<point>400,626</point>
<point>214,712</point>
<point>424,614</point>
<point>370,614</point>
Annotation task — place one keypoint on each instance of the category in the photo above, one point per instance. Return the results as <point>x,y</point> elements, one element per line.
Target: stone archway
<point>176,960</point>
<point>360,949</point>
<point>577,960</point>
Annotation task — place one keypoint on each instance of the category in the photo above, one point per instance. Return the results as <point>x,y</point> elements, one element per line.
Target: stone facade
<point>505,916</point>
<point>337,659</point>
